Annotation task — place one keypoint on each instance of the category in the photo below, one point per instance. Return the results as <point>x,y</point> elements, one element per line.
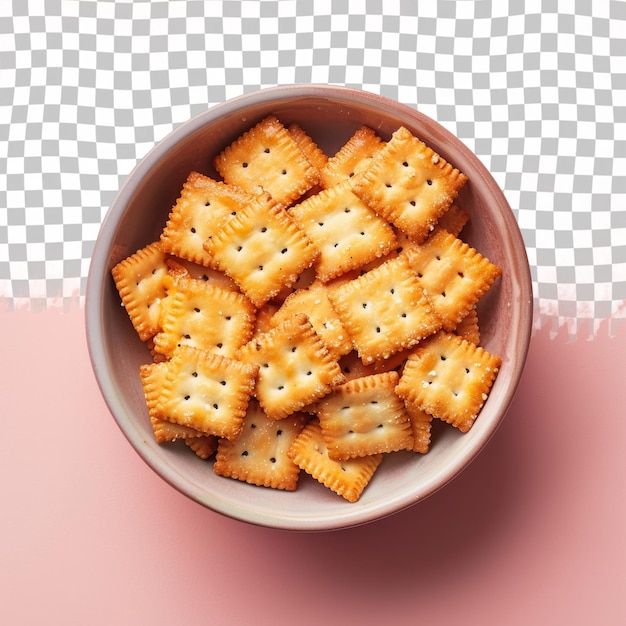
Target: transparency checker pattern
<point>536,89</point>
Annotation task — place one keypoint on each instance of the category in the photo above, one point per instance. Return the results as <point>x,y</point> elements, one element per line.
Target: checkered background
<point>536,88</point>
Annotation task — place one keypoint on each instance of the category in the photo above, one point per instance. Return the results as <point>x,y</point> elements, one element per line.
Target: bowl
<point>136,217</point>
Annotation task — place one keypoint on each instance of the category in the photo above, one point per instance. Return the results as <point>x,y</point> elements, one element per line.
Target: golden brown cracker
<point>454,220</point>
<point>153,377</point>
<point>421,426</point>
<point>262,250</point>
<point>295,367</point>
<point>347,232</point>
<point>384,310</point>
<point>364,416</point>
<point>139,281</point>
<point>409,184</point>
<point>449,378</point>
<point>315,303</point>
<point>206,391</point>
<point>201,315</point>
<point>468,327</point>
<point>454,275</point>
<point>269,157</point>
<point>203,205</point>
<point>346,478</point>
<point>259,454</point>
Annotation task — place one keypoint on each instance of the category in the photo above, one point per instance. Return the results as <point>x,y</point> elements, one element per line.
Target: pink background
<point>531,533</point>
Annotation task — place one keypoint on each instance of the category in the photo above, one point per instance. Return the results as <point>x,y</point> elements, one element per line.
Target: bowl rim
<point>94,300</point>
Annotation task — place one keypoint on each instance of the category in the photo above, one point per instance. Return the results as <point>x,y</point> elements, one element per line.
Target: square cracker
<point>268,156</point>
<point>259,454</point>
<point>454,275</point>
<point>314,302</point>
<point>409,184</point>
<point>353,157</point>
<point>262,250</point>
<point>346,478</point>
<point>346,231</point>
<point>364,416</point>
<point>139,281</point>
<point>295,367</point>
<point>153,377</point>
<point>204,316</point>
<point>449,378</point>
<point>203,205</point>
<point>206,391</point>
<point>385,310</point>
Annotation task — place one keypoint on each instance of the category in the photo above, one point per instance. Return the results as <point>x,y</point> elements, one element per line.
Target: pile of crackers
<point>313,313</point>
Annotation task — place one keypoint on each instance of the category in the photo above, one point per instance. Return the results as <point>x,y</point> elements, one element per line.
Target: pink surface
<point>530,533</point>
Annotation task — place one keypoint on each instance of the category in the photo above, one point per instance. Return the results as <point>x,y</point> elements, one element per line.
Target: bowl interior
<point>330,115</point>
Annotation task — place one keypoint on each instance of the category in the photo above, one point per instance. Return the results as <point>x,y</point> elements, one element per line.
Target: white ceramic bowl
<point>138,213</point>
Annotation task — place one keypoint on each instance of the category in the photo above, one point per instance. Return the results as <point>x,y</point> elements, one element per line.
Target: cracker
<point>468,327</point>
<point>315,155</point>
<point>262,250</point>
<point>204,204</point>
<point>421,426</point>
<point>259,454</point>
<point>385,310</point>
<point>206,391</point>
<point>449,378</point>
<point>454,275</point>
<point>346,478</point>
<point>153,377</point>
<point>139,281</point>
<point>347,232</point>
<point>204,446</point>
<point>206,317</point>
<point>409,184</point>
<point>364,416</point>
<point>295,367</point>
<point>157,357</point>
<point>353,157</point>
<point>315,303</point>
<point>269,157</point>
<point>454,220</point>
